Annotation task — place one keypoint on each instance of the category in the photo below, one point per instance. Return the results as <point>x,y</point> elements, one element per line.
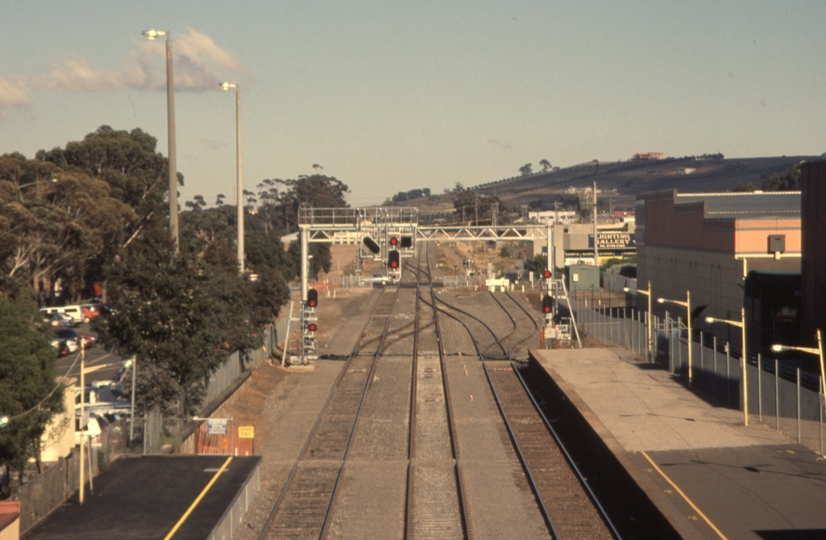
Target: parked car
<point>58,319</point>
<point>60,346</point>
<point>105,309</point>
<point>71,337</point>
<point>89,340</point>
<point>90,312</point>
<point>95,426</point>
<point>74,321</point>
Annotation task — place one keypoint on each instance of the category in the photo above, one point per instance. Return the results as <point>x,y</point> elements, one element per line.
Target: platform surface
<point>144,497</point>
<point>727,480</point>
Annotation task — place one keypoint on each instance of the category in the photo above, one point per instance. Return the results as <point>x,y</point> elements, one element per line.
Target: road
<point>96,356</point>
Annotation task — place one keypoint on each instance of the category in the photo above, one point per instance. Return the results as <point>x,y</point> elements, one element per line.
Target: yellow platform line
<point>683,495</point>
<point>196,501</point>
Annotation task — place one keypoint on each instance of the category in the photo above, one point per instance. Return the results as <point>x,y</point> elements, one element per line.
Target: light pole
<point>170,126</point>
<point>646,292</point>
<point>687,305</point>
<point>819,351</point>
<point>239,185</point>
<point>742,325</point>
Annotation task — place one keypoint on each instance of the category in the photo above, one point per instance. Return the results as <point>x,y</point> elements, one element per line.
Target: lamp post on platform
<point>647,293</point>
<point>819,351</point>
<point>742,325</point>
<point>687,305</point>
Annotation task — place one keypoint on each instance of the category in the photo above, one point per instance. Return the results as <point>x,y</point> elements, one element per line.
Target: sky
<point>389,96</point>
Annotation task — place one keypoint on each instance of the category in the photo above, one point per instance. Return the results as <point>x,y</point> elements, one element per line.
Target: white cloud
<point>77,75</point>
<point>14,93</point>
<point>198,65</point>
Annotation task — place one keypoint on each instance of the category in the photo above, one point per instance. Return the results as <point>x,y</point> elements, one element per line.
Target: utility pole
<point>596,239</point>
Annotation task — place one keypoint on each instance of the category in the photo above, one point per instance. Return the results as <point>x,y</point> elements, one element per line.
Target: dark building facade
<point>813,240</point>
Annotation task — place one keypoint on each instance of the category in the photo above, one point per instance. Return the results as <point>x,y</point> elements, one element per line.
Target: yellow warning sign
<point>246,432</point>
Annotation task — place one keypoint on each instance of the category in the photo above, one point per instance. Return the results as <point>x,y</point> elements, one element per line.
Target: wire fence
<point>781,396</point>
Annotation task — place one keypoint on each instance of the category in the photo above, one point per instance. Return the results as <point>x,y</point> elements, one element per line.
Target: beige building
<point>708,242</point>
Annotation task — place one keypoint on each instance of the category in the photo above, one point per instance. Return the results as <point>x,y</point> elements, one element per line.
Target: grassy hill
<point>622,181</point>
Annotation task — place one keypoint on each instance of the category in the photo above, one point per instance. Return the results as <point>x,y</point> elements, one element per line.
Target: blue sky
<point>394,95</point>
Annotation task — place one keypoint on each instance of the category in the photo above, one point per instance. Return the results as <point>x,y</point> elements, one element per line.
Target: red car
<point>90,311</point>
<point>89,340</point>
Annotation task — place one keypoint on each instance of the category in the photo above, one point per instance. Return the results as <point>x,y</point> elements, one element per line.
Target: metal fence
<point>45,492</point>
<point>783,397</point>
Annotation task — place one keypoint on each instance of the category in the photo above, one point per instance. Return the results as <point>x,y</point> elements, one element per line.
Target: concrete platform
<point>709,475</point>
<point>145,497</point>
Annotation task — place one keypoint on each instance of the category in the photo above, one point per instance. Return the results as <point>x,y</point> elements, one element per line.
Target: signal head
<point>312,298</point>
<point>394,241</point>
<point>546,274</point>
<point>393,260</point>
<point>312,327</point>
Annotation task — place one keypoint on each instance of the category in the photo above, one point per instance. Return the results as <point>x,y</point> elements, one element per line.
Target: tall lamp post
<point>170,126</point>
<point>742,325</point>
<point>646,292</point>
<point>819,351</point>
<point>687,305</point>
<point>239,185</point>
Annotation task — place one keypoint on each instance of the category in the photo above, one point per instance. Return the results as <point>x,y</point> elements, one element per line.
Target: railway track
<point>435,503</point>
<point>398,372</point>
<point>569,507</point>
<point>304,507</point>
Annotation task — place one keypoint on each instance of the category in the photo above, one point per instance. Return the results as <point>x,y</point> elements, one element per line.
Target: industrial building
<point>708,242</point>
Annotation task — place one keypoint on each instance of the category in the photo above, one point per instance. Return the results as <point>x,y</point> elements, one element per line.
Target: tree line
<point>91,218</point>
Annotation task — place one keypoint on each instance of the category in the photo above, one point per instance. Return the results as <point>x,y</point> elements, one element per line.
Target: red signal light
<point>312,327</point>
<point>394,241</point>
<point>546,274</point>
<point>393,259</point>
<point>547,304</point>
<point>312,298</point>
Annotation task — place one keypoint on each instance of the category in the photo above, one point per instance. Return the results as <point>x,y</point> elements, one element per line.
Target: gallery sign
<point>613,240</point>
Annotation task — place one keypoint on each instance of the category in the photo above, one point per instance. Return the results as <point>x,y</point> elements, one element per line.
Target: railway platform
<point>709,475</point>
<point>181,497</point>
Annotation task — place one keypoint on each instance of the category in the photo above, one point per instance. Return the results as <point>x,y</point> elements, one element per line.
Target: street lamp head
<point>661,300</point>
<point>152,34</point>
<point>626,289</point>
<point>4,421</point>
<point>710,319</point>
<point>228,85</point>
<point>779,348</point>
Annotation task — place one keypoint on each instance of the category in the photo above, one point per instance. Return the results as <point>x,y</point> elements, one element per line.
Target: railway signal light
<point>393,259</point>
<point>394,241</point>
<point>311,327</point>
<point>407,241</point>
<point>546,274</point>
<point>547,304</point>
<point>371,244</point>
<point>312,298</point>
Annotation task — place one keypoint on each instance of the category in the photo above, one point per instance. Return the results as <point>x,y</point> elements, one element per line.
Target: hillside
<point>622,181</point>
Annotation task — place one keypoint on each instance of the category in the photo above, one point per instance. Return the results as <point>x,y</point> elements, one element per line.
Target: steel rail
<point>571,462</point>
<point>451,420</point>
<point>531,481</point>
<point>302,453</point>
<point>370,376</point>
